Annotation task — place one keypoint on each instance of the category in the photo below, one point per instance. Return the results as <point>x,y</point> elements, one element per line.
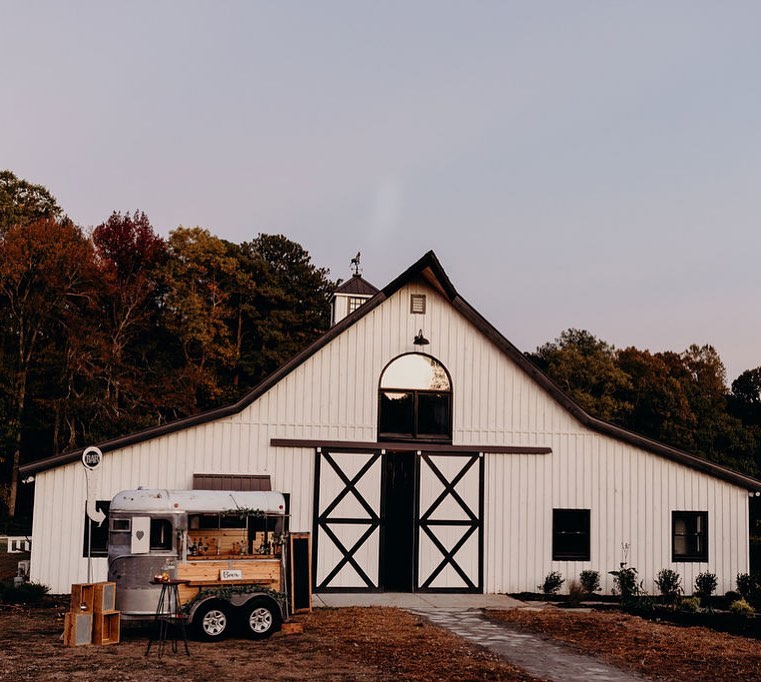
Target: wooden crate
<point>82,594</point>
<point>106,627</point>
<point>104,597</point>
<point>77,628</point>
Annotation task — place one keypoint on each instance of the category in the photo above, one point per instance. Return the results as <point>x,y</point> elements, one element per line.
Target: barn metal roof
<point>356,285</point>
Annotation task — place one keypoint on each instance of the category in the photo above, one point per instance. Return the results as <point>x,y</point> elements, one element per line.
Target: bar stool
<point>169,615</point>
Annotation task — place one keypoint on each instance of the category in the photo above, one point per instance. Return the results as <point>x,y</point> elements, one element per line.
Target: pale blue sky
<point>573,164</point>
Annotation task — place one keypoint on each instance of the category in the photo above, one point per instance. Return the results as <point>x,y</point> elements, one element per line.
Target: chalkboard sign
<point>300,573</point>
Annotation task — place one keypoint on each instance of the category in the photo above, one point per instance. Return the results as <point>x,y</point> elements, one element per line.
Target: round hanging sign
<point>92,457</point>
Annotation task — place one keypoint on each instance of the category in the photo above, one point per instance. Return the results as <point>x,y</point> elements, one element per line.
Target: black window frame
<point>561,531</point>
<point>161,535</point>
<point>416,434</point>
<point>691,519</point>
<point>99,547</point>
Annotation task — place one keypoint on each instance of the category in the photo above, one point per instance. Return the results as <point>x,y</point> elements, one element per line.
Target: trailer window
<point>161,534</point>
<point>120,525</point>
<point>204,522</point>
<point>232,521</point>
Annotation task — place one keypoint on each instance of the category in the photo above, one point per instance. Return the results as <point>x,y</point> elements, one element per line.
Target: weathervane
<point>355,264</point>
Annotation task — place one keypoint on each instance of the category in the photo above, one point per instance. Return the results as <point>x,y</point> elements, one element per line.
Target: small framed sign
<point>228,574</point>
<point>92,457</point>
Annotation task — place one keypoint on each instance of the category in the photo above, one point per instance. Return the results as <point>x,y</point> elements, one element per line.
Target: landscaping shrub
<point>25,593</point>
<point>625,583</point>
<point>590,581</point>
<point>749,586</point>
<point>552,583</point>
<point>731,596</point>
<point>745,585</point>
<point>669,585</point>
<point>690,604</point>
<point>741,608</point>
<point>705,584</point>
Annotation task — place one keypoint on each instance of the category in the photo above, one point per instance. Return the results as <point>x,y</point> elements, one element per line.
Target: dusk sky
<point>573,164</point>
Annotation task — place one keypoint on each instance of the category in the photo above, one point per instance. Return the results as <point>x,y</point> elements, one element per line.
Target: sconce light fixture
<point>420,340</point>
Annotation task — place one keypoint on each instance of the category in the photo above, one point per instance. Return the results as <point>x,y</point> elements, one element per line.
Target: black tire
<point>211,621</point>
<point>260,618</point>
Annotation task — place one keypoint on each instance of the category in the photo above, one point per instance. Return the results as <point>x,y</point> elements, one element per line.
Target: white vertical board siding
<point>167,462</point>
<point>630,494</point>
<point>333,395</point>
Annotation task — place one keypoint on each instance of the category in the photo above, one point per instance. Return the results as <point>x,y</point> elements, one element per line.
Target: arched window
<point>415,401</point>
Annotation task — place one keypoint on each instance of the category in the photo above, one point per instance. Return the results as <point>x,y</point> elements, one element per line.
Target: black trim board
<point>429,268</point>
<point>407,446</point>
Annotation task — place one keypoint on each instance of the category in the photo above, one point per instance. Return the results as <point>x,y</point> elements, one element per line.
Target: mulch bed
<point>337,644</point>
<point>654,650</point>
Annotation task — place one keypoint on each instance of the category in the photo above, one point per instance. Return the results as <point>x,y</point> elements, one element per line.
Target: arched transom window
<point>415,400</point>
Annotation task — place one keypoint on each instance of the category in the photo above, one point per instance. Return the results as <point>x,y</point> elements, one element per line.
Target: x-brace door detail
<point>347,506</point>
<point>450,526</point>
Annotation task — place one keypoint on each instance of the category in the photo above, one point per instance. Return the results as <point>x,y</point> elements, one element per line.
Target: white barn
<point>423,452</point>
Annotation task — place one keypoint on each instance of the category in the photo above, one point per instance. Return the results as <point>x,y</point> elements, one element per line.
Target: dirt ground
<point>346,644</point>
<point>655,650</point>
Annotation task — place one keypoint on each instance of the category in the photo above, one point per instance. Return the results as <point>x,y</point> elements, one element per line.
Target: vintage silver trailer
<point>227,545</point>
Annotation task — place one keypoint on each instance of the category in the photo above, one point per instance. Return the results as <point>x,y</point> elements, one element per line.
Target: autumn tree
<point>130,257</point>
<point>285,307</point>
<point>197,311</point>
<point>23,202</point>
<point>745,397</point>
<point>675,398</point>
<point>660,405</point>
<point>44,268</point>
<point>586,369</point>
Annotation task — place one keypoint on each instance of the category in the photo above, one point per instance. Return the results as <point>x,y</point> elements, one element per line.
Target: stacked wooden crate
<point>93,618</point>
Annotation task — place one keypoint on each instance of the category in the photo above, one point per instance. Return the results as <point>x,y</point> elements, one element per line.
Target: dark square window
<point>397,413</point>
<point>433,414</point>
<point>570,534</point>
<point>161,534</point>
<point>689,532</point>
<point>99,546</point>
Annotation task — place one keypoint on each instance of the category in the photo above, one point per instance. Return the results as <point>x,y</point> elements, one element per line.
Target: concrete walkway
<point>462,614</point>
<point>418,600</point>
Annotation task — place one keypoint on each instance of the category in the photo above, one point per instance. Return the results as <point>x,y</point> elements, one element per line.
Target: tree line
<point>113,329</point>
<point>109,330</point>
<point>680,399</point>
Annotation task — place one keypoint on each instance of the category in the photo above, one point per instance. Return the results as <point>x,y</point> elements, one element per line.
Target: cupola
<point>351,294</point>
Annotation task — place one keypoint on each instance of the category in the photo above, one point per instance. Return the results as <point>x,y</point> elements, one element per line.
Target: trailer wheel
<point>260,618</point>
<point>212,621</point>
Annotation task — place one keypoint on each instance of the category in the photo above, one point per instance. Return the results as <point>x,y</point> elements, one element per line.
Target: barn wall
<point>333,396</point>
<point>630,495</point>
